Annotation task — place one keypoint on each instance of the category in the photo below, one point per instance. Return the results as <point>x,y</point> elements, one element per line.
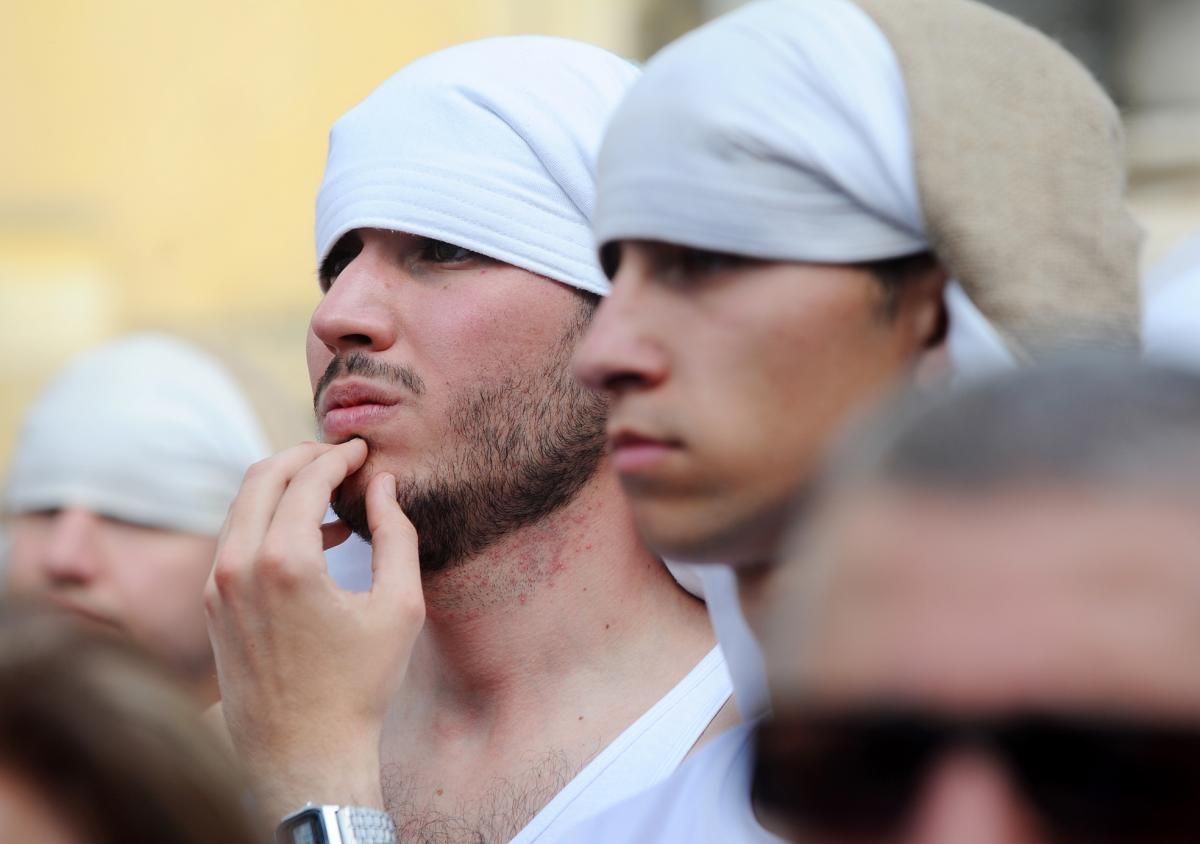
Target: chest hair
<point>495,813</point>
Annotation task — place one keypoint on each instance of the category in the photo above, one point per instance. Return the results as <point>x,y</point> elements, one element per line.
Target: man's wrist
<point>316,779</point>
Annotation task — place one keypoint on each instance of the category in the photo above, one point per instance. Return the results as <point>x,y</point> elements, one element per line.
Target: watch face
<point>305,828</point>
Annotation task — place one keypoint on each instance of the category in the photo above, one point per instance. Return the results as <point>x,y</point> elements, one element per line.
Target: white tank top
<point>646,753</point>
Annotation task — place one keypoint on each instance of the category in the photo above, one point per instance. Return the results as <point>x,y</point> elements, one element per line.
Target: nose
<point>353,315</point>
<point>969,798</point>
<point>620,351</point>
<point>71,554</point>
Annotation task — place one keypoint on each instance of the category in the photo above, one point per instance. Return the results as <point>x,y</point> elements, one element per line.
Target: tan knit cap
<point>1033,223</point>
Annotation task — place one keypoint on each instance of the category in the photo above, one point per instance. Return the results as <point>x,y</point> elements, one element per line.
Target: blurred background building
<point>161,159</point>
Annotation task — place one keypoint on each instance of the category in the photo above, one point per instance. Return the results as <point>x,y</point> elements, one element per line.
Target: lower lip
<point>627,459</point>
<point>341,421</point>
<point>84,615</point>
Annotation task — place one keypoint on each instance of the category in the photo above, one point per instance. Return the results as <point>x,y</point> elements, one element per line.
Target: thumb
<point>395,566</point>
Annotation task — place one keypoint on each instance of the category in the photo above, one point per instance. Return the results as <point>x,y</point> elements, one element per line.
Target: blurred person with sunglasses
<point>982,630</point>
<point>121,475</point>
<point>856,198</point>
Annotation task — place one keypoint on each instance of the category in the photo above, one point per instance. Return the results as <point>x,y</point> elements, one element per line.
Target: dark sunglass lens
<point>848,776</point>
<point>1109,781</point>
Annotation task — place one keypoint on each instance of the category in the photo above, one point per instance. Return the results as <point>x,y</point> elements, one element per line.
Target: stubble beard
<point>518,451</point>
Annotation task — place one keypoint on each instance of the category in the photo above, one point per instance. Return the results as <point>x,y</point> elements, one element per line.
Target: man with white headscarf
<point>803,205</point>
<point>521,660</point>
<point>121,476</point>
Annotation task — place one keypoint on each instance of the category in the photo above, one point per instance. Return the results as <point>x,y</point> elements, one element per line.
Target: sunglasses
<point>859,775</point>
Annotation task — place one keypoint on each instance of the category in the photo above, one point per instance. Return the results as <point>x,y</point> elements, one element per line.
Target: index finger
<point>395,559</point>
<point>302,508</point>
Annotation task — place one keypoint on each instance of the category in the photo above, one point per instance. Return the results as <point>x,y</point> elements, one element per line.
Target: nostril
<point>356,339</point>
<point>622,381</point>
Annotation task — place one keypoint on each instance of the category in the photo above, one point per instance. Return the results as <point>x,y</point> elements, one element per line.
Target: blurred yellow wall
<point>160,160</point>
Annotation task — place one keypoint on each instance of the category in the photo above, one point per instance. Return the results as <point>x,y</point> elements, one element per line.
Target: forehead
<point>1029,596</point>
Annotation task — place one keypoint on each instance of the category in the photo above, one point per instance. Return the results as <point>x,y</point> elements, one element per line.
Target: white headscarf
<point>147,429</point>
<point>489,145</point>
<point>797,148</point>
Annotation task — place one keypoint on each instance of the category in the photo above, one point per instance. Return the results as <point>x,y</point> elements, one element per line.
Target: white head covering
<point>489,145</point>
<point>147,429</point>
<point>1171,315</point>
<point>785,131</point>
<point>792,151</point>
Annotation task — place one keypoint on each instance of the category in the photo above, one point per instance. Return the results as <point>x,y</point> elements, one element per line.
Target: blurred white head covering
<point>489,145</point>
<point>835,132</point>
<point>146,429</point>
<point>1171,314</point>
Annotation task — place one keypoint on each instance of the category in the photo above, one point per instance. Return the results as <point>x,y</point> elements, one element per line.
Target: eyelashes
<point>424,249</point>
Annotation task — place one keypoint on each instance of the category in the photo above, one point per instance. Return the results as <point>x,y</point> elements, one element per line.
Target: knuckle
<point>259,469</point>
<point>275,564</point>
<point>225,581</point>
<point>212,599</point>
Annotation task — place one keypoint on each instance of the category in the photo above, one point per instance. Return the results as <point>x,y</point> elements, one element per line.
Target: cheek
<point>483,341</point>
<point>318,357</point>
<point>22,560</point>
<point>166,575</point>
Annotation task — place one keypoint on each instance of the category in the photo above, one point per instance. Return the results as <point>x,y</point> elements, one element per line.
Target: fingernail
<point>390,483</point>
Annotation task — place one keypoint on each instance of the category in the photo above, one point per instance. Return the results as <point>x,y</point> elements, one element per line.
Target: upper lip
<point>351,393</point>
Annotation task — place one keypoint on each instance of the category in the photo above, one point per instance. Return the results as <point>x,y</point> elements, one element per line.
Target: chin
<point>674,536</point>
<point>712,533</point>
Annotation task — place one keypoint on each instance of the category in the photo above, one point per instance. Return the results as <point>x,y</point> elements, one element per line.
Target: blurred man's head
<point>987,629</point>
<point>794,229</point>
<point>121,477</point>
<point>458,274</point>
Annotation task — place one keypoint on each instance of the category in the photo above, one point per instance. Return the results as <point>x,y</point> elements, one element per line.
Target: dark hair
<point>588,302</point>
<point>119,752</point>
<point>895,273</point>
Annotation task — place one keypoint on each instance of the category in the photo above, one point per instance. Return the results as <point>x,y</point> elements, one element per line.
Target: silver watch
<point>316,824</point>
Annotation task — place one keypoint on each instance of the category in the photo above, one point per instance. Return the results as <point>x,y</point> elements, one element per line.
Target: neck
<point>573,595</point>
<point>198,682</point>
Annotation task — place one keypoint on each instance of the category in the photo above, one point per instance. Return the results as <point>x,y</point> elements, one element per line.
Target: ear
<point>923,314</point>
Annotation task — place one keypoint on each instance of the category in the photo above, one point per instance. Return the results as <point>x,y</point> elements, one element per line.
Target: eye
<point>610,259</point>
<point>340,256</point>
<point>699,262</point>
<point>440,252</point>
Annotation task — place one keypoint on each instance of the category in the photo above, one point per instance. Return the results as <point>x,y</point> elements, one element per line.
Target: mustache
<point>359,363</point>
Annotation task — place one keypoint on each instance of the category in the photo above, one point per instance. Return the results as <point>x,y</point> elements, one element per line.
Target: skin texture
<point>461,697</point>
<point>744,370</point>
<point>1025,598</point>
<point>143,582</point>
